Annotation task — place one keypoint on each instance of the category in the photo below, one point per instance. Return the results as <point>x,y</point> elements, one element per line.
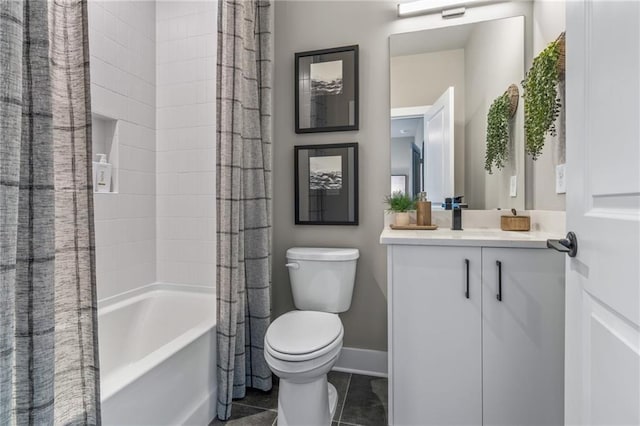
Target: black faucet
<point>456,205</point>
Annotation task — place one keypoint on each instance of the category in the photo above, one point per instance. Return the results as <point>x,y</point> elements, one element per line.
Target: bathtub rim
<point>134,371</point>
<point>108,302</point>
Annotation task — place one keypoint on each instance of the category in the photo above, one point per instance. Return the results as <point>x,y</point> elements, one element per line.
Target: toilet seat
<point>304,336</point>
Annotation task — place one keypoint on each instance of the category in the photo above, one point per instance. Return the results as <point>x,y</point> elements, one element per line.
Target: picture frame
<point>327,90</point>
<point>326,184</point>
<point>399,183</point>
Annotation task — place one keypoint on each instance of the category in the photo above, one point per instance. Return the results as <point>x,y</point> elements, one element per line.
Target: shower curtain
<point>48,348</point>
<point>243,188</point>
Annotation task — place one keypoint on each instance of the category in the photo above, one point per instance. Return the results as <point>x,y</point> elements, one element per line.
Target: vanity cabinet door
<point>435,336</point>
<point>523,337</point>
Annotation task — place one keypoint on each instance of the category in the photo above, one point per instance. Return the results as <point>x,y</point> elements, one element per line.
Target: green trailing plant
<point>541,102</point>
<point>400,202</point>
<point>497,133</point>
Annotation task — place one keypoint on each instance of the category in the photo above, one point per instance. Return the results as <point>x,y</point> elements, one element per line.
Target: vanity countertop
<point>469,237</point>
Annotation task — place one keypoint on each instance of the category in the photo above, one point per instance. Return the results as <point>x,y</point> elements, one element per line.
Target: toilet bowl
<point>302,360</point>
<point>301,346</point>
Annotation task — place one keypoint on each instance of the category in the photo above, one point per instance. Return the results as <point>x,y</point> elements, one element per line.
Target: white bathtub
<point>157,356</point>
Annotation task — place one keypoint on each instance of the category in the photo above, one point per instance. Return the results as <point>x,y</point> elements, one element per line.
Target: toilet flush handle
<point>292,265</point>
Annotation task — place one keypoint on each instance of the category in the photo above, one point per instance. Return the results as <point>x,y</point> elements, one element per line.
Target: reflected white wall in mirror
<point>479,60</point>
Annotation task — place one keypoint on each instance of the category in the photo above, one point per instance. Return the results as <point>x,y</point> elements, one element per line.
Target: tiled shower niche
<point>104,133</point>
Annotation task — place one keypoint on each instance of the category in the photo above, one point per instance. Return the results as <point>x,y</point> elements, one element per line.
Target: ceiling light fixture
<point>446,7</point>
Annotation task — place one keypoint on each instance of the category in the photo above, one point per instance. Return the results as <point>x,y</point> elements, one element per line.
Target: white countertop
<point>469,237</point>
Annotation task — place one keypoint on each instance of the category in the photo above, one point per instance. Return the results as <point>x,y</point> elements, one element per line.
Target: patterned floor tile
<point>366,402</point>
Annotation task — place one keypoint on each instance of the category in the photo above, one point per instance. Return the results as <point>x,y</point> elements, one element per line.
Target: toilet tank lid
<point>322,253</point>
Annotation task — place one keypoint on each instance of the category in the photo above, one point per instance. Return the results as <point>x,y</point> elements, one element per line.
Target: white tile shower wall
<point>123,79</point>
<point>185,162</point>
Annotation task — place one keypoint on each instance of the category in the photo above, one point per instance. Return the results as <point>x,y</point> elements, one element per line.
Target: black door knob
<point>567,245</point>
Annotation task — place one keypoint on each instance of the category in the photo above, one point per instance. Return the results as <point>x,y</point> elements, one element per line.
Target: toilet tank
<point>322,279</point>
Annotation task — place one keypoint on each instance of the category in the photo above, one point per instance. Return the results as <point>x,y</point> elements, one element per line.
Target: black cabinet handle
<point>466,293</point>
<point>499,295</point>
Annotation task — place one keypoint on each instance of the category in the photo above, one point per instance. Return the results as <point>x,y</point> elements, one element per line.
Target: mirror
<point>443,82</point>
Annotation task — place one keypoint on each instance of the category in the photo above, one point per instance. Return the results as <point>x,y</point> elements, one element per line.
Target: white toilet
<point>302,346</point>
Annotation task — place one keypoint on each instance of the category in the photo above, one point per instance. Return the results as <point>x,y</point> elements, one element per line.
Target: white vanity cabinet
<point>523,337</point>
<point>458,358</point>
<point>435,341</point>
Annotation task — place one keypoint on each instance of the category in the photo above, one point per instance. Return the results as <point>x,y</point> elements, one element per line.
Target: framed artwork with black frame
<point>326,184</point>
<point>326,90</point>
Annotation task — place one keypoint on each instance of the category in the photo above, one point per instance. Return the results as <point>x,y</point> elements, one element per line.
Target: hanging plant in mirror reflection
<point>541,101</point>
<point>498,116</point>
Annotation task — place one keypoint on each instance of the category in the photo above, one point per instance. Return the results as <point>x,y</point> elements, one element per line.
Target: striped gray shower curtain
<point>243,171</point>
<point>48,347</point>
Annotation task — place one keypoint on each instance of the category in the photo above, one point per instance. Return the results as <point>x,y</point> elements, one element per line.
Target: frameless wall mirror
<point>443,82</point>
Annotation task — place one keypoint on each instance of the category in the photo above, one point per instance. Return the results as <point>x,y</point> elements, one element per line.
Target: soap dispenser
<point>423,210</point>
<point>102,174</point>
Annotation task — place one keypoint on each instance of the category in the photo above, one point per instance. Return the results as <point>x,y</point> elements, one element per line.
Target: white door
<point>602,347</point>
<point>438,148</point>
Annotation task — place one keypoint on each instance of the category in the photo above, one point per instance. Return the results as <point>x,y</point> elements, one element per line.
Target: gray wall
<point>312,25</point>
<point>549,22</point>
<point>494,59</point>
<point>307,25</point>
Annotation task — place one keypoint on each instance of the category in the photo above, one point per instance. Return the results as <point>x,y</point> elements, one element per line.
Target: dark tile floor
<point>362,400</point>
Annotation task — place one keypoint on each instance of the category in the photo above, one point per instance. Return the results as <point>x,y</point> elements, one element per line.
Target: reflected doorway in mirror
<point>429,132</point>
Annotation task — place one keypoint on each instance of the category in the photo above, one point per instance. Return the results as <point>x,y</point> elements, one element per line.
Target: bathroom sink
<point>492,234</point>
<point>487,237</point>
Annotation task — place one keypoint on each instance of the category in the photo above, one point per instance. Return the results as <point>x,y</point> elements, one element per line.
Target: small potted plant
<point>400,204</point>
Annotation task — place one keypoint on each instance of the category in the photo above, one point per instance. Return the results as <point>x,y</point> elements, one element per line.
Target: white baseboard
<point>362,361</point>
